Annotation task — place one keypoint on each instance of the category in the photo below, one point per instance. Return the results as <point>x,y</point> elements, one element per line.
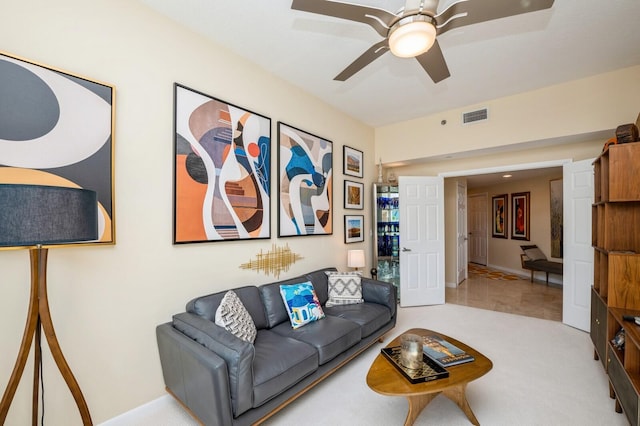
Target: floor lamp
<point>33,216</point>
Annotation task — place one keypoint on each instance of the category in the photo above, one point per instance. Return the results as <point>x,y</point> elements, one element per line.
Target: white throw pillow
<point>345,288</point>
<point>234,317</point>
<point>535,254</point>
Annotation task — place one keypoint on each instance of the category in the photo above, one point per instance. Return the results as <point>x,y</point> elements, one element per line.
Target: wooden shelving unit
<point>616,283</point>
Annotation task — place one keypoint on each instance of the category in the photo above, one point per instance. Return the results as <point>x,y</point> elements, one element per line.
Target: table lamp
<point>33,216</point>
<point>355,259</point>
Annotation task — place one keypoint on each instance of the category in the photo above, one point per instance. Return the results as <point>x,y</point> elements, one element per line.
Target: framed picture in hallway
<point>520,212</point>
<point>500,228</point>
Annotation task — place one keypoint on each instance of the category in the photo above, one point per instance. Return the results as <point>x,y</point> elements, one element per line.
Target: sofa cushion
<point>234,317</point>
<point>301,303</point>
<point>345,288</point>
<point>381,293</point>
<point>280,362</point>
<point>534,254</point>
<point>370,316</point>
<point>237,354</point>
<point>206,306</point>
<point>320,283</point>
<point>331,336</point>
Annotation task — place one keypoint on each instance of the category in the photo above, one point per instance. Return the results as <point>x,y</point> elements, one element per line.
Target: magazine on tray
<point>444,353</point>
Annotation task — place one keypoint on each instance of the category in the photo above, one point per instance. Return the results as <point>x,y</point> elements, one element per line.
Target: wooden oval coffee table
<point>385,379</point>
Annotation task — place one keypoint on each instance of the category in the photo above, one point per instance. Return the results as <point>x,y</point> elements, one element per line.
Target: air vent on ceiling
<point>474,116</point>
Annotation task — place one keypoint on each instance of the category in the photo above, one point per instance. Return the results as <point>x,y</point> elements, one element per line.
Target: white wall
<point>106,301</point>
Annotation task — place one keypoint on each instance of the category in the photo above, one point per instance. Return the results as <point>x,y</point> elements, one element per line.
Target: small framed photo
<point>352,162</point>
<point>499,219</point>
<point>353,195</point>
<point>520,213</point>
<point>353,229</point>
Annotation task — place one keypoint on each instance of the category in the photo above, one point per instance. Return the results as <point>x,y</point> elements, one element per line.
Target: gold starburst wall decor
<point>274,261</point>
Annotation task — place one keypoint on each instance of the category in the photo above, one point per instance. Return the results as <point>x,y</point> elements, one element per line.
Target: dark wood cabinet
<point>616,281</point>
<point>599,327</point>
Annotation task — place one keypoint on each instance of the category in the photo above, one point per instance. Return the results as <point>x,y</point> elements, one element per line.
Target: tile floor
<point>519,296</point>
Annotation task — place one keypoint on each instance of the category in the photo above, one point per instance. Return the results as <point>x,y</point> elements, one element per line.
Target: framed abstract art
<point>500,217</point>
<point>556,207</point>
<point>520,216</point>
<point>305,183</point>
<point>222,166</point>
<point>57,128</point>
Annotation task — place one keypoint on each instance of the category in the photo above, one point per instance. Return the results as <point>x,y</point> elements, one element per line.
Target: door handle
<point>405,249</point>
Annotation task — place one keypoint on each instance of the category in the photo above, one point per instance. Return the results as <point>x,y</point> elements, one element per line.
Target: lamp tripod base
<point>39,319</point>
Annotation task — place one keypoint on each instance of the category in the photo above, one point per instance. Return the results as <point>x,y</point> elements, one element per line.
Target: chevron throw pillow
<point>234,317</point>
<point>345,288</point>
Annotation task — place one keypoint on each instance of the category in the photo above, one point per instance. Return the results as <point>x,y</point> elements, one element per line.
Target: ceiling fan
<point>413,31</point>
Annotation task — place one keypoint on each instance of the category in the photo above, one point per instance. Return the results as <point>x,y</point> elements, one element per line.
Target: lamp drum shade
<point>39,215</point>
<point>355,258</point>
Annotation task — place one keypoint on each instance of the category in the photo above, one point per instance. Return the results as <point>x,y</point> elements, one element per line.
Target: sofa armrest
<point>380,292</point>
<point>195,376</point>
<point>237,354</point>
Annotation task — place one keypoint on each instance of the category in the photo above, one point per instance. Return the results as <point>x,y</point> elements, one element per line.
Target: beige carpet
<point>543,374</point>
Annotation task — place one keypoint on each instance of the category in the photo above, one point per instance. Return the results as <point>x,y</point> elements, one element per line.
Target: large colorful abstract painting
<point>57,129</point>
<point>305,183</point>
<point>222,170</point>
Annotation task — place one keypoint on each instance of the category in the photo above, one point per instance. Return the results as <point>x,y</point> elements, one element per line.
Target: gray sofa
<point>223,380</point>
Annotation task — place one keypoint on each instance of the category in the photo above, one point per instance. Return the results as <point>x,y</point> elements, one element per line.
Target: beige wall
<point>505,253</point>
<point>106,301</point>
<point>579,107</point>
<point>500,252</point>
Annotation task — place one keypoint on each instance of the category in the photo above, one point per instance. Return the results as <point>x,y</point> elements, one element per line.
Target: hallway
<point>517,296</point>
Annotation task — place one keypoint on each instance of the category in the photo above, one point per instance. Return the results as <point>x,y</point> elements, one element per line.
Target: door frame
<point>462,237</point>
<point>485,246</point>
<point>508,168</point>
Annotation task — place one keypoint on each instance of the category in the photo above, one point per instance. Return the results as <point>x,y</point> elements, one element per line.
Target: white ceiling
<point>497,178</point>
<point>573,39</point>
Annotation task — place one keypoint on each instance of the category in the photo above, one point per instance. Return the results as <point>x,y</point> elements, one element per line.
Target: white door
<point>462,238</point>
<point>477,220</point>
<point>577,187</point>
<point>421,240</point>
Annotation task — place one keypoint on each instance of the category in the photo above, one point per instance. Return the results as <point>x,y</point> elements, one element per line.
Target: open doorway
<point>501,255</point>
<point>577,187</point>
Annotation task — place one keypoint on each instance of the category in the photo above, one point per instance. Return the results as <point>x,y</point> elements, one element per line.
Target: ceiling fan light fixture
<point>412,36</point>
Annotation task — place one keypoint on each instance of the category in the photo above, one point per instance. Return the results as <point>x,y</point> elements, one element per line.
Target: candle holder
<point>411,351</point>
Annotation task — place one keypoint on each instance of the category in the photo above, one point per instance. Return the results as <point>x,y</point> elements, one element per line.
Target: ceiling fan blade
<point>481,11</point>
<point>434,64</point>
<point>379,19</point>
<point>373,53</point>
